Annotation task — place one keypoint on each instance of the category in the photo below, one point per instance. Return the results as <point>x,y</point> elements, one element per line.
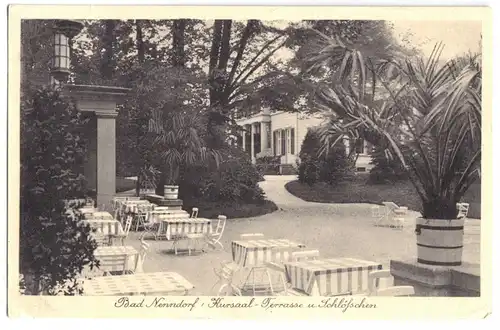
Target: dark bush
<point>268,165</point>
<point>235,181</point>
<point>333,167</point>
<point>386,169</point>
<point>54,247</point>
<point>309,171</point>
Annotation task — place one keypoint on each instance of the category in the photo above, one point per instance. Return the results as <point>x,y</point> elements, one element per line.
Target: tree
<point>54,247</point>
<point>430,117</point>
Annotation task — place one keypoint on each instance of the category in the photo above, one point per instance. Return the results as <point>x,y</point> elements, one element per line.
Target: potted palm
<point>180,137</point>
<point>428,113</point>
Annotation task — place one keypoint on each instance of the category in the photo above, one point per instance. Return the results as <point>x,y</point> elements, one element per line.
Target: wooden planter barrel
<point>171,192</point>
<point>440,242</point>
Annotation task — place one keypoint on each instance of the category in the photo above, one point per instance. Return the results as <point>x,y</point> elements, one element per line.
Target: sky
<point>458,36</point>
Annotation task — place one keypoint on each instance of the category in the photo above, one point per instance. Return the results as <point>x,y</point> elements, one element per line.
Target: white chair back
<point>305,255</point>
<point>251,236</point>
<point>377,211</point>
<point>221,224</point>
<point>194,212</point>
<point>128,224</point>
<point>391,205</point>
<point>463,210</point>
<point>395,291</point>
<point>374,278</point>
<point>141,257</point>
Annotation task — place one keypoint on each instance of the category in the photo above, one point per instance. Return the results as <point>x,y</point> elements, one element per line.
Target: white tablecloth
<point>330,276</point>
<point>250,253</point>
<point>161,284</point>
<point>106,227</point>
<point>107,255</point>
<point>180,227</point>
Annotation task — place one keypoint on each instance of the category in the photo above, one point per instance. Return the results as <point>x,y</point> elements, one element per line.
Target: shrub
<point>308,171</point>
<point>386,169</point>
<point>54,247</point>
<point>268,165</point>
<point>331,168</point>
<point>235,181</point>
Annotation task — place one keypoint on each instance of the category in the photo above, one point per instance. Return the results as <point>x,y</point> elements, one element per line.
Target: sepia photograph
<point>260,158</point>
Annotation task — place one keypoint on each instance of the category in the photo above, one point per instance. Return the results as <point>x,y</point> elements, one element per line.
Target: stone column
<point>263,136</point>
<point>244,136</point>
<point>106,157</point>
<point>252,142</point>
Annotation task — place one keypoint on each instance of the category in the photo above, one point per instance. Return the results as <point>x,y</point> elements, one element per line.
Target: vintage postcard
<point>243,162</point>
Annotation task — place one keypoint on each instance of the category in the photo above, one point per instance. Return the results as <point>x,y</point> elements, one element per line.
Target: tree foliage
<point>54,247</point>
<point>429,115</point>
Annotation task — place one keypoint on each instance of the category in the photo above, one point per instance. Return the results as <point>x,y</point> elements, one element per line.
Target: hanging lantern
<point>64,30</point>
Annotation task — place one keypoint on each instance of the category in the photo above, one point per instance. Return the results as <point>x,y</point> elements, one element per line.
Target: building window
<point>268,133</point>
<point>276,143</point>
<point>292,141</point>
<point>360,146</point>
<point>283,142</point>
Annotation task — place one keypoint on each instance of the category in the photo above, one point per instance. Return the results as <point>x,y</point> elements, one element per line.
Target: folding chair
<point>394,211</point>
<point>213,238</point>
<point>141,257</point>
<point>395,291</point>
<point>374,278</point>
<point>126,230</point>
<point>142,214</point>
<point>377,214</point>
<point>225,277</point>
<point>463,210</point>
<point>194,212</point>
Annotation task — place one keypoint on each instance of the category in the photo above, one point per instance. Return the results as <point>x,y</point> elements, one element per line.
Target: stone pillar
<point>244,140</point>
<point>252,142</point>
<point>263,136</point>
<point>106,157</point>
<point>90,166</point>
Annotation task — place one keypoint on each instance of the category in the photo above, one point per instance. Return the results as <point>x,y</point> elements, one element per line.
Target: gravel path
<point>336,230</point>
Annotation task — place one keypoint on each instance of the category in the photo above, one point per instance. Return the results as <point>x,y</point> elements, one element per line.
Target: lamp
<point>64,30</point>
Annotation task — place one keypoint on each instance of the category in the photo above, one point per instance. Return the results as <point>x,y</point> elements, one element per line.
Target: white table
<point>161,283</point>
<point>325,277</point>
<point>109,227</point>
<point>248,253</point>
<point>173,226</point>
<point>109,254</point>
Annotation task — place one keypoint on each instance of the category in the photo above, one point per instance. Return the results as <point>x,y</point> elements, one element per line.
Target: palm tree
<point>427,111</point>
<point>179,135</point>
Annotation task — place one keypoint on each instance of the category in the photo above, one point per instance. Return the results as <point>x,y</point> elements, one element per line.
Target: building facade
<point>279,133</point>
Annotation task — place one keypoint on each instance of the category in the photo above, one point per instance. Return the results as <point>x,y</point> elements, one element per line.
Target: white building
<point>279,133</point>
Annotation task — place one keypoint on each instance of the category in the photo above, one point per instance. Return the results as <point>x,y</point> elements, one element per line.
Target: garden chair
<point>463,210</point>
<point>142,215</point>
<point>194,212</point>
<point>394,211</point>
<point>194,239</point>
<point>126,230</point>
<point>141,257</point>
<point>395,291</point>
<point>305,255</point>
<point>213,238</point>
<point>251,236</point>
<point>377,214</point>
<point>225,275</point>
<point>374,278</point>
<point>149,226</point>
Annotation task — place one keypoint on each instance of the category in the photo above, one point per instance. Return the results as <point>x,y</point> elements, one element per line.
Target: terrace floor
<point>336,230</point>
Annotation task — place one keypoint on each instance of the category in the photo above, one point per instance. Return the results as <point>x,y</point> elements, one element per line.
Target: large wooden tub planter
<point>440,241</point>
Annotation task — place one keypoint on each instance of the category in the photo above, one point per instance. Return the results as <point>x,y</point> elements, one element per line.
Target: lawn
<point>358,191</point>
